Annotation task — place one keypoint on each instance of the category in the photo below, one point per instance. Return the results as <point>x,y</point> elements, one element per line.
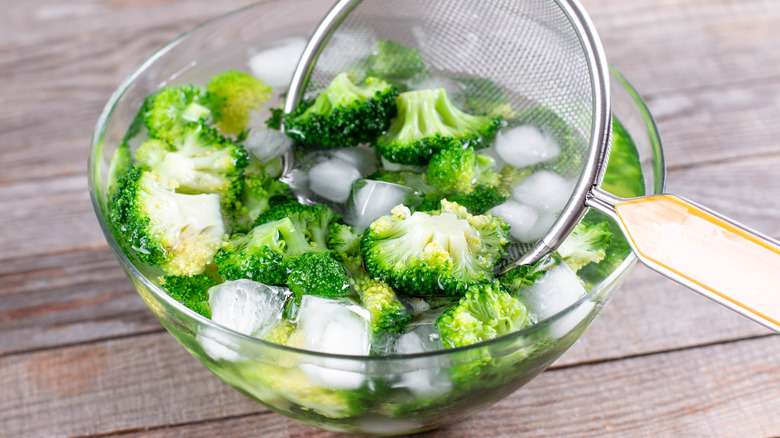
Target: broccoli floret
<point>177,232</point>
<point>387,312</point>
<point>460,170</point>
<point>257,190</point>
<point>587,243</point>
<point>623,176</point>
<point>169,110</point>
<point>192,291</point>
<point>199,159</point>
<point>396,63</point>
<point>312,220</point>
<point>344,114</point>
<point>438,253</point>
<point>317,273</point>
<point>429,122</point>
<point>485,312</point>
<point>482,199</point>
<point>345,243</point>
<point>483,96</point>
<point>263,254</point>
<point>233,95</point>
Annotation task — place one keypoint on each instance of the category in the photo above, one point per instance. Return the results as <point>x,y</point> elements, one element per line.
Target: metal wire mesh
<point>530,49</point>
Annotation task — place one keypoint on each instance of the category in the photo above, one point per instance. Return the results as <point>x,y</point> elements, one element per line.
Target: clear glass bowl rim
<point>659,168</point>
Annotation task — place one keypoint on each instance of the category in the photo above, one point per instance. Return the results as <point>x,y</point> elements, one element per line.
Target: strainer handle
<point>703,250</point>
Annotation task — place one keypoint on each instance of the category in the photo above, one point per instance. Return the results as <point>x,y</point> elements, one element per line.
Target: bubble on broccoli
<point>177,232</point>
<point>344,114</point>
<point>428,122</point>
<point>232,96</point>
<point>437,253</point>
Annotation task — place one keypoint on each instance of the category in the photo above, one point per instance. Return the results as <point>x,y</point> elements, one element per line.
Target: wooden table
<point>80,355</point>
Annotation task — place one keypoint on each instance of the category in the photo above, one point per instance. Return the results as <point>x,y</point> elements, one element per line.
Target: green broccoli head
<point>428,122</point>
<point>233,95</point>
<point>169,110</point>
<point>177,232</point>
<point>199,159</point>
<point>587,243</point>
<point>457,170</point>
<point>437,253</point>
<point>396,63</point>
<point>344,114</point>
<point>192,291</point>
<point>345,243</point>
<point>485,312</point>
<point>313,220</point>
<point>387,312</point>
<point>263,254</point>
<point>257,190</point>
<point>317,273</point>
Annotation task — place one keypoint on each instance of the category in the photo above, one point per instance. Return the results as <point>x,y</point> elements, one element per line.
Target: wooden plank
<point>74,54</point>
<point>665,46</point>
<point>727,390</point>
<point>738,121</point>
<point>68,298</point>
<point>144,381</point>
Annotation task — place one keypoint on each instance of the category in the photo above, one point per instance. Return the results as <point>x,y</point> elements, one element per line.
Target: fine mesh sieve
<point>541,53</point>
<point>545,54</point>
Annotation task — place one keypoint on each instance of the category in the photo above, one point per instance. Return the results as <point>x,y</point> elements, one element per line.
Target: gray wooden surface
<point>80,355</point>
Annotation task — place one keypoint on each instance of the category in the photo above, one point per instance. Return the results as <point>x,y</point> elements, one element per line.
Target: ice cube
<point>266,144</point>
<point>246,306</point>
<point>275,66</point>
<point>336,327</point>
<point>298,180</point>
<point>332,179</point>
<point>522,219</point>
<point>332,326</point>
<point>544,191</point>
<point>421,339</point>
<point>217,345</point>
<point>525,145</point>
<point>373,199</point>
<point>556,290</point>
<point>430,380</point>
<point>362,158</point>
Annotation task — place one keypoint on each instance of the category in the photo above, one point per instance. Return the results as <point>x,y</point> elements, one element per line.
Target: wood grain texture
<point>81,356</point>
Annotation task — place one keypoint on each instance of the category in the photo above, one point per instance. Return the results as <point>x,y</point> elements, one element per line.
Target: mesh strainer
<point>545,54</point>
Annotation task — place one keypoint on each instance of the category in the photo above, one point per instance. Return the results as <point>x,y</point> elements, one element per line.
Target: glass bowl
<point>368,395</point>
